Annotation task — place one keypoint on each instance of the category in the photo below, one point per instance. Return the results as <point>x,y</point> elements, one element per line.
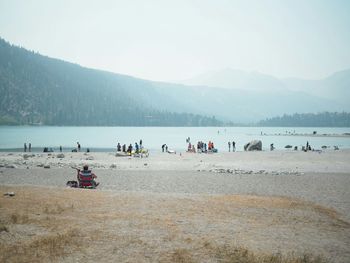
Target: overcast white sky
<point>175,40</point>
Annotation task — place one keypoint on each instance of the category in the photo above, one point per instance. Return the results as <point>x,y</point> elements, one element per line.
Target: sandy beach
<point>178,207</point>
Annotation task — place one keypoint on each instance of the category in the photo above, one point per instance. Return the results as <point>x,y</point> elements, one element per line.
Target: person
<point>140,143</point>
<point>136,148</point>
<point>229,146</point>
<point>189,148</point>
<point>166,148</point>
<point>29,147</point>
<point>124,148</point>
<point>86,173</point>
<point>163,146</point>
<point>78,146</point>
<point>233,146</point>
<point>25,147</point>
<point>60,148</point>
<point>307,146</point>
<point>272,147</point>
<point>119,147</point>
<point>130,149</point>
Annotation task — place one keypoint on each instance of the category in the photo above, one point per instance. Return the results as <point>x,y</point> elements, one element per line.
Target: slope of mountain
<point>38,89</point>
<point>328,94</point>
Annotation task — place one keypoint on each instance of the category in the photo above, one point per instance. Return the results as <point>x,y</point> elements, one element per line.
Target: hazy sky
<point>175,40</point>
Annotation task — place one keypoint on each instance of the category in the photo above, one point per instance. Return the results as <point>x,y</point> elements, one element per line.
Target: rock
<point>288,146</point>
<point>60,155</point>
<point>89,158</point>
<point>9,194</point>
<point>255,145</point>
<point>113,166</point>
<point>47,166</point>
<point>10,166</point>
<point>40,165</point>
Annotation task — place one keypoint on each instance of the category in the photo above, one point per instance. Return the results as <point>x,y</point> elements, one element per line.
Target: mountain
<point>278,96</point>
<point>40,90</point>
<point>36,89</point>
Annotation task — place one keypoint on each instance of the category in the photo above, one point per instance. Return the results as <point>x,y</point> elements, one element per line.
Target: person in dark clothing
<point>163,147</point>
<point>119,147</point>
<point>78,146</point>
<point>60,148</point>
<point>29,147</point>
<point>25,147</point>
<point>233,146</point>
<point>124,148</point>
<point>130,149</point>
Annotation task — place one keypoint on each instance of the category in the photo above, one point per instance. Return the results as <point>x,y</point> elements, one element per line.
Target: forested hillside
<point>40,90</point>
<point>324,119</point>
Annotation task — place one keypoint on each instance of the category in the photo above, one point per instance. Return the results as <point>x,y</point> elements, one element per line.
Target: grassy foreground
<point>56,225</point>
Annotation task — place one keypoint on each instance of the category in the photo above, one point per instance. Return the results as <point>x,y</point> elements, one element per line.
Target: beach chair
<point>85,179</point>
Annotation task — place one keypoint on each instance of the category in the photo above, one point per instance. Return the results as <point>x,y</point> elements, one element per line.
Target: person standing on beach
<point>229,146</point>
<point>29,147</point>
<point>163,146</point>
<point>141,143</point>
<point>78,146</point>
<point>233,146</point>
<point>60,148</point>
<point>25,147</point>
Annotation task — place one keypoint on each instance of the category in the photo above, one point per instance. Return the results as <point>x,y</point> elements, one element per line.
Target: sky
<point>179,39</point>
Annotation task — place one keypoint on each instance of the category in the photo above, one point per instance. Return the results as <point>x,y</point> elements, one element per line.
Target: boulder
<point>60,155</point>
<point>255,145</point>
<point>10,166</point>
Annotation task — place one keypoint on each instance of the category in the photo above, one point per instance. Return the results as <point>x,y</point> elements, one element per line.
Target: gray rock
<point>9,194</point>
<point>255,145</point>
<point>10,166</point>
<point>60,155</point>
<point>47,166</point>
<point>89,158</point>
<point>113,166</point>
<point>40,165</point>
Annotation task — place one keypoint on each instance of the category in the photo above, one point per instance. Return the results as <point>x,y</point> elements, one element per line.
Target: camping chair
<point>85,179</point>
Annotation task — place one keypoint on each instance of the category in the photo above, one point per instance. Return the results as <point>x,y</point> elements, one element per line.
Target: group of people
<point>29,149</point>
<point>201,147</point>
<point>233,146</point>
<point>138,147</point>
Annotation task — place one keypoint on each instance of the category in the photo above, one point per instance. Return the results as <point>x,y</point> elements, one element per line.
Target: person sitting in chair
<point>86,178</point>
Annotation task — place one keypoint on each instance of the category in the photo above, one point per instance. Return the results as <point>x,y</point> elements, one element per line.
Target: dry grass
<point>243,255</point>
<point>42,249</point>
<point>152,228</point>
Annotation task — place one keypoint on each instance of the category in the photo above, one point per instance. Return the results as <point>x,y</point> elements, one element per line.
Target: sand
<point>152,208</point>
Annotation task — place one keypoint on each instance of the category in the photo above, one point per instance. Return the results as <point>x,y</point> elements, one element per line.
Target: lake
<point>106,138</point>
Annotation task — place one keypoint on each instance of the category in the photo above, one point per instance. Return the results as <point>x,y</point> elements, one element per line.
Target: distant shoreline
<point>344,135</point>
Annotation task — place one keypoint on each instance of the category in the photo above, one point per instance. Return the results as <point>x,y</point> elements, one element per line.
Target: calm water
<point>106,138</point>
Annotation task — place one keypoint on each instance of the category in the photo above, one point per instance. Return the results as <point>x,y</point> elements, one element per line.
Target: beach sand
<point>176,208</point>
